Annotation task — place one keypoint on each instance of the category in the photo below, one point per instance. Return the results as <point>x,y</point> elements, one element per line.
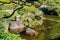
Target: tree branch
<point>22,5</point>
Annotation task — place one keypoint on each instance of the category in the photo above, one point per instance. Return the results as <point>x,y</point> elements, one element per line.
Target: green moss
<point>8,6</point>
<point>3,13</point>
<point>5,0</point>
<point>30,9</point>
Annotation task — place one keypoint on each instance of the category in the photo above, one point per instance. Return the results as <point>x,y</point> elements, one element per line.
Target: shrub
<point>30,9</point>
<point>9,36</point>
<point>6,35</point>
<point>1,26</point>
<point>29,13</point>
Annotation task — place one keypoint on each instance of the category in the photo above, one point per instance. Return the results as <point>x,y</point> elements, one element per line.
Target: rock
<point>31,32</point>
<point>16,26</point>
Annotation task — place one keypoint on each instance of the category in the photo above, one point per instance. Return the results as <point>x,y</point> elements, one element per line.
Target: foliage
<point>3,13</point>
<point>1,26</point>
<point>29,13</point>
<point>6,35</point>
<point>30,9</point>
<point>56,8</point>
<point>9,36</point>
<point>53,4</point>
<point>5,0</point>
<point>42,1</point>
<point>8,6</point>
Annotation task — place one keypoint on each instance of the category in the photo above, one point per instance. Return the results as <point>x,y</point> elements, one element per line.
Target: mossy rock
<point>3,13</point>
<point>4,0</point>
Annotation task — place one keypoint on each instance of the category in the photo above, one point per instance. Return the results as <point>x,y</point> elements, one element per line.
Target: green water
<point>44,30</point>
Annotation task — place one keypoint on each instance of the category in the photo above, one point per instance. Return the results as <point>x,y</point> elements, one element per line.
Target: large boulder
<point>16,26</point>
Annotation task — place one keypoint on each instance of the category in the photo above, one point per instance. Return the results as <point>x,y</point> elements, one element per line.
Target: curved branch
<point>1,4</point>
<point>22,5</point>
<point>13,12</point>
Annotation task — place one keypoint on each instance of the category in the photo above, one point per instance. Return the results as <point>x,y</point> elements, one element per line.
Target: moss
<point>3,13</point>
<point>30,9</point>
<point>5,0</point>
<point>8,6</point>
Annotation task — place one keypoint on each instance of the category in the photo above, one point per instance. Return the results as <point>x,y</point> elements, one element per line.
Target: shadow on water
<point>56,38</point>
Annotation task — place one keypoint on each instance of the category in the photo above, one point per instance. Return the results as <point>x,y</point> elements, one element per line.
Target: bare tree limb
<point>13,12</point>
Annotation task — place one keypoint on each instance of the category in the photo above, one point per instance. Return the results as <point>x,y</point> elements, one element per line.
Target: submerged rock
<point>31,32</point>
